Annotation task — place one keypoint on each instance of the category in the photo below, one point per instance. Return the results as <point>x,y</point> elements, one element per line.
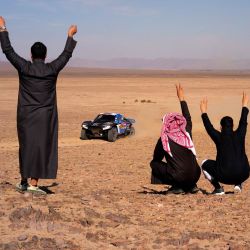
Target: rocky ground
<point>102,198</point>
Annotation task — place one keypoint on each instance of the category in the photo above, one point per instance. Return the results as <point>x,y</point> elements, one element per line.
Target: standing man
<point>37,118</point>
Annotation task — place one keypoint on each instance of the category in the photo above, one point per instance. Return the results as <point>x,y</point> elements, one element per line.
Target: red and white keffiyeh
<point>174,128</point>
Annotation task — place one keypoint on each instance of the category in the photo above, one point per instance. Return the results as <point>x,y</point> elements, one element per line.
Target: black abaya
<point>37,119</point>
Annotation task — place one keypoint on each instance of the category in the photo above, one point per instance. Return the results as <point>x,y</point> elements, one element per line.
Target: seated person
<point>231,165</point>
<point>181,169</point>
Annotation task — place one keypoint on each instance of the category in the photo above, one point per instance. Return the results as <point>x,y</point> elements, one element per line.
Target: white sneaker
<point>218,191</point>
<point>203,161</point>
<point>35,190</point>
<point>207,175</point>
<point>238,188</point>
<point>21,187</point>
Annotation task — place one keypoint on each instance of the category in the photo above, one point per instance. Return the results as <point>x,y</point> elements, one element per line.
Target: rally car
<point>108,126</point>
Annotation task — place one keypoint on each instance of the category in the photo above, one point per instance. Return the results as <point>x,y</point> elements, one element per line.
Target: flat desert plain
<point>102,198</point>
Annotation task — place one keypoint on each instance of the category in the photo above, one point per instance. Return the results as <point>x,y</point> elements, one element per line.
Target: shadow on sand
<point>148,190</point>
<point>46,188</point>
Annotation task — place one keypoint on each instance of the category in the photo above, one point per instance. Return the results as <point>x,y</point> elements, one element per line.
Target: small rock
<point>27,195</point>
<point>159,205</point>
<point>117,218</point>
<point>48,243</point>
<point>86,222</point>
<point>91,213</point>
<point>22,237</point>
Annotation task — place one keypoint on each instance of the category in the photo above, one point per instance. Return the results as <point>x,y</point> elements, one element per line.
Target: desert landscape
<point>102,198</point>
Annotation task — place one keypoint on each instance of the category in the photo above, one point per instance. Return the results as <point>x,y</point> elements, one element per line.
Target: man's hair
<point>38,51</point>
<point>227,122</point>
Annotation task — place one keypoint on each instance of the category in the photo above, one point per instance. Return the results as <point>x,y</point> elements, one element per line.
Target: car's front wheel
<point>112,134</point>
<point>84,136</point>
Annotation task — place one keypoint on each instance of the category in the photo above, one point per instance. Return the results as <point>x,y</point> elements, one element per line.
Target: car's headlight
<point>106,127</point>
<point>85,126</point>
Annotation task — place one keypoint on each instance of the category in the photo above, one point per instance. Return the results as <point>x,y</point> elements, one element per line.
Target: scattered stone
<point>22,237</point>
<point>91,213</point>
<point>74,230</point>
<point>48,243</point>
<point>105,224</point>
<point>54,214</point>
<point>31,244</point>
<point>28,217</point>
<point>120,243</point>
<point>91,237</point>
<point>160,205</point>
<point>86,222</point>
<point>117,218</point>
<point>50,227</point>
<point>9,246</point>
<point>99,236</point>
<point>17,215</point>
<point>62,244</point>
<point>204,235</point>
<point>156,247</point>
<point>27,195</point>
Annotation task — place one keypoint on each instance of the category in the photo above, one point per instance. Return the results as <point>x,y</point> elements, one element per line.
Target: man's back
<point>37,118</point>
<point>231,161</point>
<point>37,84</point>
<point>231,157</point>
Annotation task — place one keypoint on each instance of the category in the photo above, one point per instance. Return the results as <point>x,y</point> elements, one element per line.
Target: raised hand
<point>72,30</point>
<point>203,105</point>
<point>245,99</point>
<point>2,21</point>
<point>180,92</point>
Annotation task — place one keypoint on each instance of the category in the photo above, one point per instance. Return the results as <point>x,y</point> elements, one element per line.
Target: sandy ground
<point>102,198</point>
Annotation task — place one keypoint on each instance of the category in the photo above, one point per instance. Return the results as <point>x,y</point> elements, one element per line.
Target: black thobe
<point>180,170</point>
<point>37,118</point>
<point>231,165</point>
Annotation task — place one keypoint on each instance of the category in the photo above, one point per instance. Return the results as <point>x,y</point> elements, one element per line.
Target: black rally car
<point>108,126</point>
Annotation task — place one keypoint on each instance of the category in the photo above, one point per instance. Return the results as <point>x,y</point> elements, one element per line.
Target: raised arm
<point>242,128</point>
<point>184,108</point>
<point>213,133</point>
<point>17,61</point>
<point>62,60</point>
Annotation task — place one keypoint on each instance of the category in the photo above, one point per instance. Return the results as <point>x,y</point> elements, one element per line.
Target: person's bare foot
<point>33,182</point>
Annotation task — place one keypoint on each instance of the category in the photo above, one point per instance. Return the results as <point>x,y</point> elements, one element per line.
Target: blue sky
<point>132,28</point>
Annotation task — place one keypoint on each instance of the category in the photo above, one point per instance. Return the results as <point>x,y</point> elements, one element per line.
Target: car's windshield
<point>105,118</point>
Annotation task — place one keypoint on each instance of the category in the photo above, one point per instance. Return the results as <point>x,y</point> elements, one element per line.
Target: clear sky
<point>132,28</point>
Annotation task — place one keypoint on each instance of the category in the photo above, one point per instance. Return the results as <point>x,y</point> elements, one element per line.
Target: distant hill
<point>153,64</point>
<point>4,65</point>
<point>163,64</point>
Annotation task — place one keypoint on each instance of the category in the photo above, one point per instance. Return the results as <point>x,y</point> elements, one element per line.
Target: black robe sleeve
<point>242,128</point>
<point>59,63</point>
<point>159,152</point>
<point>212,132</point>
<point>186,114</point>
<point>18,62</point>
